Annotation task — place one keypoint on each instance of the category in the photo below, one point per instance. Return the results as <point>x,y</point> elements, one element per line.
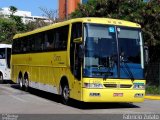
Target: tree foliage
<point>52,15</point>
<point>12,9</point>
<point>7,30</point>
<point>35,24</point>
<point>12,25</point>
<point>20,26</point>
<point>145,13</point>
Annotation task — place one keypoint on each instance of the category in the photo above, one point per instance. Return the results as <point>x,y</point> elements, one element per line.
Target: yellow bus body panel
<point>41,67</point>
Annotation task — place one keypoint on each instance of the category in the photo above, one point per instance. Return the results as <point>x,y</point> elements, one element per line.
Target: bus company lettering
<point>57,58</point>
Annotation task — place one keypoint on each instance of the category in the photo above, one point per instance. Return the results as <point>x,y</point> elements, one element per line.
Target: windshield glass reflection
<point>129,45</point>
<point>100,46</point>
<point>101,54</point>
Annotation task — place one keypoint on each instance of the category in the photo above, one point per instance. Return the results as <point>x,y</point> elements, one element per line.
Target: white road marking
<point>17,98</point>
<point>9,91</point>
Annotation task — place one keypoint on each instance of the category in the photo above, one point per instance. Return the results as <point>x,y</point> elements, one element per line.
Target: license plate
<point>118,95</point>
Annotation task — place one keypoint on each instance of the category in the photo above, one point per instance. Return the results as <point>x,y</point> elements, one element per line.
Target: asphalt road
<point>15,101</point>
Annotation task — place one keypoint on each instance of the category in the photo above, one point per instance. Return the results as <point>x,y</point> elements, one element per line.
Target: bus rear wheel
<point>21,83</point>
<point>65,94</point>
<point>1,78</point>
<point>26,84</point>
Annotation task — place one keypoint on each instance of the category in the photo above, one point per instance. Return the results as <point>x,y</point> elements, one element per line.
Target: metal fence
<point>152,74</point>
<point>152,69</point>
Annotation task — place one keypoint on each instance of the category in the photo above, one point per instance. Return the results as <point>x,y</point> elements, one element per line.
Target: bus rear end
<point>5,55</point>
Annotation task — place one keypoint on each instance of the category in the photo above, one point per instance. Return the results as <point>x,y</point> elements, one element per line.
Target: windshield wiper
<point>109,65</point>
<point>126,69</point>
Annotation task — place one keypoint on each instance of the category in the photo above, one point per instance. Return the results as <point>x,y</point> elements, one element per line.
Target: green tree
<point>35,24</point>
<point>145,13</point>
<point>20,25</point>
<point>12,9</point>
<point>52,15</point>
<point>151,24</point>
<point>7,30</point>
<point>10,26</point>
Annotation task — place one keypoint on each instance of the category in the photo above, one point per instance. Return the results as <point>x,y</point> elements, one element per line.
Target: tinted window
<point>2,53</point>
<point>8,57</point>
<point>129,44</point>
<point>61,38</point>
<point>16,46</point>
<point>76,33</point>
<point>54,39</point>
<point>38,41</point>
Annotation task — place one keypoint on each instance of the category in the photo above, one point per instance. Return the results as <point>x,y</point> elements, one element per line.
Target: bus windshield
<point>129,44</point>
<point>99,44</point>
<point>103,45</point>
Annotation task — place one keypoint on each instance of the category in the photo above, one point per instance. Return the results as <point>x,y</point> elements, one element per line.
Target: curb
<point>152,97</point>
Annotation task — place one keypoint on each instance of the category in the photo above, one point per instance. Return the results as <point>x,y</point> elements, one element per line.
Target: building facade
<point>66,7</point>
<point>25,15</point>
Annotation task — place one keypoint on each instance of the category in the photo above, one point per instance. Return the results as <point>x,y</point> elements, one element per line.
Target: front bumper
<point>112,95</point>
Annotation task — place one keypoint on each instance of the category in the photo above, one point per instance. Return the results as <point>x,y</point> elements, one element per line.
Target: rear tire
<point>26,84</point>
<point>1,79</point>
<point>21,86</point>
<point>65,94</point>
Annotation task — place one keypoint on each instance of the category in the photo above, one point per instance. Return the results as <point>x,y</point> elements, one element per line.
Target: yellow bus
<point>86,59</point>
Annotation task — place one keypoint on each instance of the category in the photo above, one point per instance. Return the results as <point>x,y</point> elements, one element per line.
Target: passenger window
<point>49,39</point>
<point>54,39</point>
<point>38,40</point>
<point>62,37</point>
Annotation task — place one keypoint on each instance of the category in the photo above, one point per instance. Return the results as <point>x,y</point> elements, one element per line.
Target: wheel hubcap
<point>26,83</point>
<point>1,77</point>
<point>20,82</point>
<point>66,93</point>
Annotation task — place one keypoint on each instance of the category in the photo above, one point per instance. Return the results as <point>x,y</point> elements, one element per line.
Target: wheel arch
<point>26,75</point>
<point>63,81</point>
<point>20,76</point>
<point>1,73</point>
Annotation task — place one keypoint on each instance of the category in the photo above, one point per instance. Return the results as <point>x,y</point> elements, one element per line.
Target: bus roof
<point>5,46</point>
<point>108,21</point>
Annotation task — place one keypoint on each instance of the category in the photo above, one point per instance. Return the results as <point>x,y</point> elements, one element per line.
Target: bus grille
<point>125,86</point>
<point>110,85</point>
<point>117,85</point>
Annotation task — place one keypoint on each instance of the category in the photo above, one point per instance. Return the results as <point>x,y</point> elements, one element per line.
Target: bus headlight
<point>93,85</point>
<point>139,86</point>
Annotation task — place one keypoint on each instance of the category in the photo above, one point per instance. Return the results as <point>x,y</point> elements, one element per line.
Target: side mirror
<point>78,40</point>
<point>146,55</point>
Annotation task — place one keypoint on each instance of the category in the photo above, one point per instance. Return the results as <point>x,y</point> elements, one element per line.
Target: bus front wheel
<point>65,94</point>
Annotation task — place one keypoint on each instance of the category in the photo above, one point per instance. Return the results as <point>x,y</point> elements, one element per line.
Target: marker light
<point>139,86</point>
